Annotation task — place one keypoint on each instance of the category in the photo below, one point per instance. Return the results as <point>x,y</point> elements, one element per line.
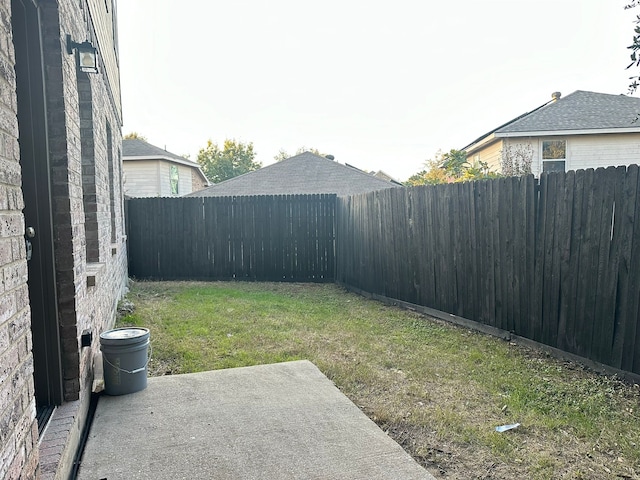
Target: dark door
<point>36,188</point>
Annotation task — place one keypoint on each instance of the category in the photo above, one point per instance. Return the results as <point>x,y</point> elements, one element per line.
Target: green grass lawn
<point>437,389</point>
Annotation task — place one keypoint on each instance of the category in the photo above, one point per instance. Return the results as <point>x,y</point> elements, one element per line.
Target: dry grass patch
<point>437,389</point>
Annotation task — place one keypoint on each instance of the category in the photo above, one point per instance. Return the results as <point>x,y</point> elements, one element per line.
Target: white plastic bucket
<point>125,355</point>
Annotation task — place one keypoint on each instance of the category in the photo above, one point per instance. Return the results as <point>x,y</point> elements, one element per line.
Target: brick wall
<point>197,183</point>
<point>80,308</point>
<point>18,428</point>
<point>87,287</point>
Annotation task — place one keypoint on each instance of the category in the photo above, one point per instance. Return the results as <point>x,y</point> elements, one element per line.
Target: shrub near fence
<point>558,262</point>
<point>276,238</point>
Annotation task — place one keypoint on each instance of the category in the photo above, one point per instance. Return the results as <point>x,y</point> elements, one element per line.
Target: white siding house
<point>150,171</point>
<point>582,130</point>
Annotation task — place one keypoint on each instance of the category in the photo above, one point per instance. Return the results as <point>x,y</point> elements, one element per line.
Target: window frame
<point>174,180</point>
<point>549,165</point>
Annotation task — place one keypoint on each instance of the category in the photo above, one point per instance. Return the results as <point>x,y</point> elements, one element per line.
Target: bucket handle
<point>131,372</point>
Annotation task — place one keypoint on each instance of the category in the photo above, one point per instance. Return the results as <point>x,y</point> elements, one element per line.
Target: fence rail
<point>279,238</point>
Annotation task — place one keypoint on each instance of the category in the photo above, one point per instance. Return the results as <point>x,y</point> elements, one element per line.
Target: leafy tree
<point>450,167</point>
<point>233,159</point>
<point>432,175</point>
<point>477,171</point>
<point>283,155</point>
<point>454,163</point>
<point>134,136</point>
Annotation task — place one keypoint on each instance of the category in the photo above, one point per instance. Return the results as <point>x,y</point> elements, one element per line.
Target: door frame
<point>36,187</point>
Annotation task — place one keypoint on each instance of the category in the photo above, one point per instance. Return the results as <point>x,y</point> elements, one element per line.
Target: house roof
<point>382,175</point>
<point>581,112</point>
<point>306,173</point>
<point>137,149</point>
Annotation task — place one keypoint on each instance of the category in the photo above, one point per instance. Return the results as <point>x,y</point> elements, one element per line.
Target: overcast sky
<point>381,85</point>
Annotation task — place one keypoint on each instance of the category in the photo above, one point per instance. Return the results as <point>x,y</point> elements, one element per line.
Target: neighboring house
<point>151,171</point>
<point>384,176</point>
<point>306,173</point>
<point>579,131</point>
<point>63,259</point>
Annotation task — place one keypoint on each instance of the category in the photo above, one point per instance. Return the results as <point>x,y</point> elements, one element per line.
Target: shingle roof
<point>580,110</point>
<point>305,173</point>
<point>135,147</point>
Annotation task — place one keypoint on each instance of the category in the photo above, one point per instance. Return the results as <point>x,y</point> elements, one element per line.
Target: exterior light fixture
<point>86,55</point>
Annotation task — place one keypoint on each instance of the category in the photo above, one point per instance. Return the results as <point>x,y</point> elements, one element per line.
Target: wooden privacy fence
<point>558,262</point>
<point>281,238</point>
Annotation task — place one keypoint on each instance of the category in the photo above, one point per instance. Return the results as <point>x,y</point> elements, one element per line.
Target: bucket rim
<point>124,335</point>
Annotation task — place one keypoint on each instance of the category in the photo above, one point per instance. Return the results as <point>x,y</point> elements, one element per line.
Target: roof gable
<point>306,173</point>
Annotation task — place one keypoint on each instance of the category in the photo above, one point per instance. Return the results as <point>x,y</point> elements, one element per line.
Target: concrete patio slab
<point>281,421</point>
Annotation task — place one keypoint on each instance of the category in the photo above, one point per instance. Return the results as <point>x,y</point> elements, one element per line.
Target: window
<point>173,178</point>
<point>554,155</point>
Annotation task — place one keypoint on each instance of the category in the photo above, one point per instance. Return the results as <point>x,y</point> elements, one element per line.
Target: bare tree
<point>516,159</point>
<point>635,48</point>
